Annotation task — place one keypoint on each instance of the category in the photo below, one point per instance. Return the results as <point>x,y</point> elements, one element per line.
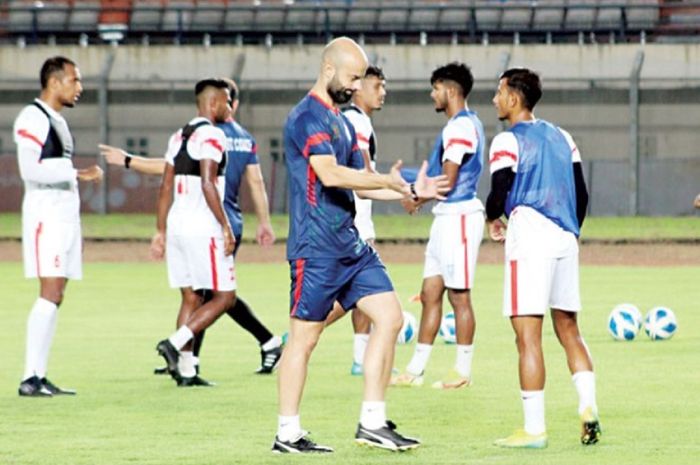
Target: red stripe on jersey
<point>315,139</point>
<point>37,233</point>
<point>179,186</point>
<point>212,259</point>
<point>24,133</point>
<point>466,251</point>
<point>311,186</point>
<point>503,154</point>
<point>298,281</point>
<point>214,143</point>
<point>459,142</point>
<point>355,148</point>
<point>362,138</point>
<point>514,288</point>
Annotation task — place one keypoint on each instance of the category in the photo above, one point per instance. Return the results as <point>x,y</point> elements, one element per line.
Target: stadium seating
<point>165,18</point>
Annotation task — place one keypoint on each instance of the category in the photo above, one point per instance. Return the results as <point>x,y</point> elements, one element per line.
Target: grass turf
<point>142,226</point>
<point>111,321</point>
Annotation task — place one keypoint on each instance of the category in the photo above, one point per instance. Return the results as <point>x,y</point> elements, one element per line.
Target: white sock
<point>195,360</point>
<point>41,325</point>
<point>358,347</point>
<point>181,337</point>
<point>463,363</point>
<point>185,364</point>
<point>273,343</point>
<point>533,409</point>
<point>421,355</point>
<point>288,428</point>
<point>585,386</point>
<point>373,415</point>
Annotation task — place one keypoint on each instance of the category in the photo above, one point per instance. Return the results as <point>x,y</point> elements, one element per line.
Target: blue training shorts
<point>318,282</point>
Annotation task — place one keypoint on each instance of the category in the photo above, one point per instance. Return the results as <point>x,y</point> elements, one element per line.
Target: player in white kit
<point>365,101</point>
<point>457,230</point>
<point>51,237</point>
<point>537,182</point>
<point>196,236</point>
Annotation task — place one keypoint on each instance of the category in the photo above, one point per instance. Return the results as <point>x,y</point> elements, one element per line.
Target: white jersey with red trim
<point>189,214</point>
<point>50,183</point>
<point>366,142</point>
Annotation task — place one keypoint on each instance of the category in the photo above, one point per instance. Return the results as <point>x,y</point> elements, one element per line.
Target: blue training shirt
<point>469,172</point>
<point>320,218</point>
<point>544,179</point>
<point>241,151</point>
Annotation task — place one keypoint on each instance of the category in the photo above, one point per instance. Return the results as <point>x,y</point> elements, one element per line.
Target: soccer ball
<point>624,322</point>
<point>660,323</point>
<point>409,329</point>
<point>447,328</point>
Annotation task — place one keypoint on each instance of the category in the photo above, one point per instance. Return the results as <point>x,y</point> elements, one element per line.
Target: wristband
<point>127,161</point>
<point>414,194</point>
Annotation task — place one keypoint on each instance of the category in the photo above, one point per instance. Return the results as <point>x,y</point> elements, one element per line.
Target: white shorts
<point>52,249</point>
<point>363,218</point>
<point>199,262</point>
<point>541,269</point>
<point>453,248</point>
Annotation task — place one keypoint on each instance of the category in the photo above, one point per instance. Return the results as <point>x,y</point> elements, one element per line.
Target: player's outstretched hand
<point>158,246</point>
<point>398,183</point>
<point>497,230</point>
<point>93,173</point>
<point>229,241</point>
<point>431,188</point>
<point>265,236</point>
<point>113,155</point>
<point>410,205</point>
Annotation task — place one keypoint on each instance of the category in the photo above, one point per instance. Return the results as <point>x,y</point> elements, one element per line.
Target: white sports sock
<point>359,346</point>
<point>585,386</point>
<point>373,415</point>
<point>463,362</point>
<point>273,343</point>
<point>421,355</point>
<point>533,409</point>
<point>181,337</point>
<point>288,428</point>
<point>41,325</point>
<point>185,364</point>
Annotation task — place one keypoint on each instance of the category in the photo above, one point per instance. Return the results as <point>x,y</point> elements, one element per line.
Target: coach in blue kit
<point>328,259</point>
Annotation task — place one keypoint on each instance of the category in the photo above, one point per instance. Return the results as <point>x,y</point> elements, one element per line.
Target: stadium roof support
<point>634,132</point>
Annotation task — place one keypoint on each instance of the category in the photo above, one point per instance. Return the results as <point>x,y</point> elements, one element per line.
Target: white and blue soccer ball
<point>447,328</point>
<point>624,322</point>
<point>660,323</point>
<point>409,329</point>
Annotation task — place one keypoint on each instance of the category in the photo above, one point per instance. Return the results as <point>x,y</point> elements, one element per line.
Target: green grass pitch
<point>111,321</point>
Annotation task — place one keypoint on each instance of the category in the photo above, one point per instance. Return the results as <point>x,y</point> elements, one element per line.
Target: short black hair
<point>211,82</point>
<point>51,66</point>
<point>373,70</point>
<point>527,83</point>
<point>456,72</point>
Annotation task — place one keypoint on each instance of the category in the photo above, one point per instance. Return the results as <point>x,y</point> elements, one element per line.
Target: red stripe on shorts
<point>299,278</point>
<point>466,251</point>
<point>37,233</point>
<point>212,258</point>
<point>514,288</point>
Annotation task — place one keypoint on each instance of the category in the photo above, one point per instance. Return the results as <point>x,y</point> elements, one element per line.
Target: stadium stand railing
<point>314,21</point>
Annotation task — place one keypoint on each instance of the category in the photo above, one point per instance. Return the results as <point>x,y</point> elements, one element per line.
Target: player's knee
<point>53,295</point>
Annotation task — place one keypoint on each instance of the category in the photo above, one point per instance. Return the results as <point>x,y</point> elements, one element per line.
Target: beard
<point>338,93</point>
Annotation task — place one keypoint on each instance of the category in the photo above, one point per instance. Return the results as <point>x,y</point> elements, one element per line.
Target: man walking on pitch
<point>51,235</point>
<point>242,162</point>
<point>327,258</point>
<point>457,230</point>
<point>192,222</point>
<point>537,182</point>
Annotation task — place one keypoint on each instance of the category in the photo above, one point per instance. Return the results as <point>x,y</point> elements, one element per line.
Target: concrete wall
<point>585,91</point>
